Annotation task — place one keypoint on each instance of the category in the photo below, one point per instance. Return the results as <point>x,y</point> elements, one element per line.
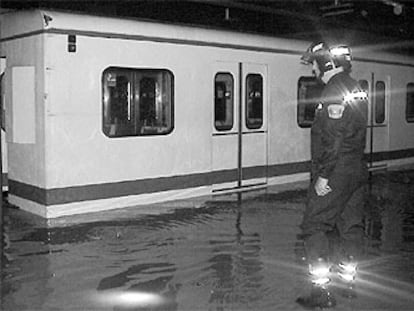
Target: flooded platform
<point>228,253</point>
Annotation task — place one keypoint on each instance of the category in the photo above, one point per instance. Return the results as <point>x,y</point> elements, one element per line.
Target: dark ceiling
<point>357,22</point>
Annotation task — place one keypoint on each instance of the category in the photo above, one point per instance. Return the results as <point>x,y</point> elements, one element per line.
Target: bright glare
<point>340,50</point>
<point>320,271</point>
<point>347,277</point>
<point>355,96</point>
<point>348,268</point>
<point>127,298</point>
<point>321,281</point>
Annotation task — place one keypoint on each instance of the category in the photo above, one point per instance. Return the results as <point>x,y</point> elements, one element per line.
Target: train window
<point>379,102</point>
<point>309,92</point>
<point>254,101</point>
<point>409,108</point>
<point>137,102</point>
<point>223,101</point>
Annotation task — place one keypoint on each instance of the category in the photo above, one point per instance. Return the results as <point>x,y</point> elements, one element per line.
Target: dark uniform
<point>338,138</point>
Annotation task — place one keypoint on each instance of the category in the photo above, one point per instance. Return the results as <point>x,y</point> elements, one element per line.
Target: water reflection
<point>237,268</point>
<point>128,300</point>
<point>142,282</point>
<point>390,211</point>
<point>242,254</point>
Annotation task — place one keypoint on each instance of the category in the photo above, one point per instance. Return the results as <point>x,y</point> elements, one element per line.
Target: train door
<point>378,88</point>
<point>3,129</point>
<point>239,136</point>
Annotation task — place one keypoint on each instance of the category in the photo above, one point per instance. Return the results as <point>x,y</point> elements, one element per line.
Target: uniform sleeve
<point>332,137</point>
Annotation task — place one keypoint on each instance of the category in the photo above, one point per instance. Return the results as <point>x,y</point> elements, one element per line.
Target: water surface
<point>226,253</point>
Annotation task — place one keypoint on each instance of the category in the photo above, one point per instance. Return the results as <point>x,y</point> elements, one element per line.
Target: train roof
<point>21,23</point>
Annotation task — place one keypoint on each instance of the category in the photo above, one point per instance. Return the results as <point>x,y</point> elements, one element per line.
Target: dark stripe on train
<point>392,155</point>
<point>111,35</point>
<point>152,185</point>
<point>114,35</point>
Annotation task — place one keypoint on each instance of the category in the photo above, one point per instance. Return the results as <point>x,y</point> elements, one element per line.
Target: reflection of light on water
<point>127,299</point>
<point>382,287</point>
<point>389,293</point>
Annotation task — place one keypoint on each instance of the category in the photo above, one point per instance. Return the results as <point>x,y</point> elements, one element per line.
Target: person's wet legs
<point>331,229</point>
<point>351,227</point>
<point>317,222</point>
<point>351,232</point>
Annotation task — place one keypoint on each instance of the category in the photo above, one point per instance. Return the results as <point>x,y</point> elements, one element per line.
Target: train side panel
<point>24,120</point>
<point>75,114</point>
<point>288,143</point>
<point>389,134</point>
<point>75,111</point>
<point>67,156</point>
<point>401,129</point>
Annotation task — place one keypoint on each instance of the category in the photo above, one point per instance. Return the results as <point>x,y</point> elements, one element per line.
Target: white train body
<point>78,139</point>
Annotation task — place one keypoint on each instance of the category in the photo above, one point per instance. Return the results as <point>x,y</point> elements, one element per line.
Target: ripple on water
<point>222,255</point>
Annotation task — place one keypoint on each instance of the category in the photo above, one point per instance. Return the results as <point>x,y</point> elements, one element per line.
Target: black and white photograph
<point>207,155</point>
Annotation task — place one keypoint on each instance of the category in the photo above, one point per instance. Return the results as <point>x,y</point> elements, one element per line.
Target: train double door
<point>239,126</point>
<point>378,88</point>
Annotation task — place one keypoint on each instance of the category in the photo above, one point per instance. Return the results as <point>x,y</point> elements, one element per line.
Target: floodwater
<point>227,253</point>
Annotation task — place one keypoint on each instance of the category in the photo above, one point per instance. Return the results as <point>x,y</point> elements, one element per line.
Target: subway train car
<point>103,112</point>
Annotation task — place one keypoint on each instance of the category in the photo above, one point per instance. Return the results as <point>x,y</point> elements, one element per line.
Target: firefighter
<point>338,172</point>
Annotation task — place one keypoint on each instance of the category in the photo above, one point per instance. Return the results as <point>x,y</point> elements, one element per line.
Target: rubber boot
<point>320,295</point>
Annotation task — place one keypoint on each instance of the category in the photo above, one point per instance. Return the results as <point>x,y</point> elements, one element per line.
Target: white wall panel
<point>23,99</point>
